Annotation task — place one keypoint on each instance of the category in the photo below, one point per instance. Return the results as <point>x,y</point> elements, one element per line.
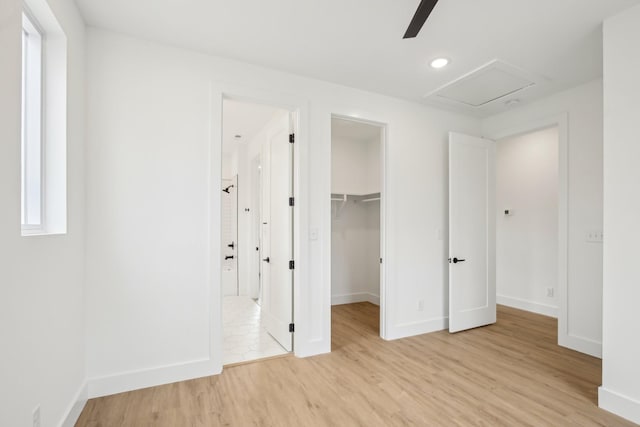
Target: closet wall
<point>355,225</point>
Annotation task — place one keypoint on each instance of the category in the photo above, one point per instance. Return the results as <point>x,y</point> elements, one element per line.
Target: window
<point>32,196</point>
<point>44,122</point>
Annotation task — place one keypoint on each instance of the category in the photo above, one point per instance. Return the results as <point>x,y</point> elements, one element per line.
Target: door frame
<point>561,121</point>
<point>300,108</point>
<point>384,127</point>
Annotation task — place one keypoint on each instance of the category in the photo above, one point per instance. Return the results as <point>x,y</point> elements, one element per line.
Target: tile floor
<point>245,336</point>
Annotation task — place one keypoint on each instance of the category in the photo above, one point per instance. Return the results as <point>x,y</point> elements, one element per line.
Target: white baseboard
<point>76,406</point>
<point>618,404</point>
<point>119,383</point>
<point>534,307</point>
<point>313,348</point>
<point>583,345</point>
<point>355,297</point>
<point>411,329</point>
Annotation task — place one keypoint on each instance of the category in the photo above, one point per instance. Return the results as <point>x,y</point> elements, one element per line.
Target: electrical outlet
<point>313,233</point>
<point>550,292</point>
<point>595,236</point>
<point>36,416</point>
<point>421,305</point>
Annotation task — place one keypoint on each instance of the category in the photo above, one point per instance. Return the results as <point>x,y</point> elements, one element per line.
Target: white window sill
<point>40,232</point>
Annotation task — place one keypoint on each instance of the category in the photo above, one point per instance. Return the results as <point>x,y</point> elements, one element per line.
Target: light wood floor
<point>511,373</point>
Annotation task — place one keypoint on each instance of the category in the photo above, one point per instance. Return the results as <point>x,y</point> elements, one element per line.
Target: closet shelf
<point>373,199</point>
<point>340,197</point>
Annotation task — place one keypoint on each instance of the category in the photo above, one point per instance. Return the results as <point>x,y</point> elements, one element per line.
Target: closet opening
<point>357,225</point>
<point>257,231</point>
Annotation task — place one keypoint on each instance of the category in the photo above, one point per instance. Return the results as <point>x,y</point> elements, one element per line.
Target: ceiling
<point>353,130</point>
<point>244,119</point>
<point>359,43</point>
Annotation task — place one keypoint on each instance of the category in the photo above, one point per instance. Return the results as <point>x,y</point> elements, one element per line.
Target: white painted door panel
<point>265,212</point>
<point>278,288</point>
<point>472,284</point>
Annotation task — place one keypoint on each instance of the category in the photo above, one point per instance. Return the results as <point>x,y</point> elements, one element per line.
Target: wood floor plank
<point>508,374</point>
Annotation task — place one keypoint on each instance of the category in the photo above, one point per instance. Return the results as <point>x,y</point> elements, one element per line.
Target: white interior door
<point>277,300</point>
<point>265,224</point>
<point>230,236</point>
<point>255,262</point>
<point>472,281</point>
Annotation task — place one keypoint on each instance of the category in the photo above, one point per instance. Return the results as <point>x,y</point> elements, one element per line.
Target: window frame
<point>32,143</point>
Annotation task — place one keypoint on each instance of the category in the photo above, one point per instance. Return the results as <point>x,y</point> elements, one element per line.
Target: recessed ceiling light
<point>439,63</point>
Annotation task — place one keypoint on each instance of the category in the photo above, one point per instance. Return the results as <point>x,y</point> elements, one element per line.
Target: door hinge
<point>292,201</point>
<point>292,138</point>
<point>292,265</point>
<point>292,327</point>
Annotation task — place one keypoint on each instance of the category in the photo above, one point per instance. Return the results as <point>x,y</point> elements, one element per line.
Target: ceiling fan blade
<point>423,12</point>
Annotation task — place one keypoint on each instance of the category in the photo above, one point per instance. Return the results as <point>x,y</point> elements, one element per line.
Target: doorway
<point>527,231</point>
<point>520,180</point>
<point>357,218</point>
<point>257,175</point>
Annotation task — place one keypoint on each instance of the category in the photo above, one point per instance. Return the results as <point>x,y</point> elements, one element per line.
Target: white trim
<point>410,329</point>
<point>383,302</point>
<point>562,122</point>
<point>619,404</point>
<point>522,304</point>
<point>355,297</point>
<point>135,380</point>
<point>76,406</point>
<point>581,344</point>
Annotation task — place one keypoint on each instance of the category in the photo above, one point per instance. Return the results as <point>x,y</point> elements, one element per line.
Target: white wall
<point>355,252</point>
<point>154,116</point>
<point>355,166</point>
<point>527,239</point>
<point>42,326</point>
<point>620,391</point>
<point>583,106</point>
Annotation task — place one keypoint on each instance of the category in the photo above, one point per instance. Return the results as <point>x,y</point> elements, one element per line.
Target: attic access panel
<point>488,83</point>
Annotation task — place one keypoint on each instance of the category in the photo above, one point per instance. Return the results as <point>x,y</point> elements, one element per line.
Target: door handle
<point>456,260</point>
<point>228,257</point>
<point>232,245</point>
<point>266,259</point>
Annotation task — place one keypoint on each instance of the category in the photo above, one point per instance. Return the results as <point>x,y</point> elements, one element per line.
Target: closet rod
<point>373,199</point>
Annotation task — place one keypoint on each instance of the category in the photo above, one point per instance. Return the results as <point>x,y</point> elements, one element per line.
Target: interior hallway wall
<point>527,238</point>
<point>42,298</point>
<point>583,107</point>
<point>620,391</point>
<point>150,267</point>
<point>248,239</point>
